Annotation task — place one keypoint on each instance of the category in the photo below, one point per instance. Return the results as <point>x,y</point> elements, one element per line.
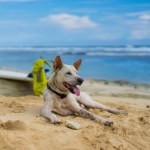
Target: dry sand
<point>22,127</point>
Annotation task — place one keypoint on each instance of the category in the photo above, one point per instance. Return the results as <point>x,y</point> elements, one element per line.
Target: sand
<point>23,128</point>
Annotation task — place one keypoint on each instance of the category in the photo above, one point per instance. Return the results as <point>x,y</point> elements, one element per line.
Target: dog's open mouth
<point>72,88</point>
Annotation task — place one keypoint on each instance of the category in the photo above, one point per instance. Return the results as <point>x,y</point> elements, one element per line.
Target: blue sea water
<point>129,63</point>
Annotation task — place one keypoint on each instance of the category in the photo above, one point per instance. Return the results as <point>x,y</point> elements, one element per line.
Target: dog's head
<point>67,75</point>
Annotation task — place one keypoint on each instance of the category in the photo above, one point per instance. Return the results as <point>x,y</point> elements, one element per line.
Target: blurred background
<point>112,37</point>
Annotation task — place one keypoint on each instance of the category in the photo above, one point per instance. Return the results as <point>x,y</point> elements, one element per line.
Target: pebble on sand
<point>72,125</point>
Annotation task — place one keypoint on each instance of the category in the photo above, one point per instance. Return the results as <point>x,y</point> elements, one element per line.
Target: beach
<point>59,44</point>
<point>23,128</point>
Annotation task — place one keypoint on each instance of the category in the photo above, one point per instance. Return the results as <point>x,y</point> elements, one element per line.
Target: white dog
<point>62,96</point>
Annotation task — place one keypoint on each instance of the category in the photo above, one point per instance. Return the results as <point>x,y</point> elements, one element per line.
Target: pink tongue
<point>76,91</point>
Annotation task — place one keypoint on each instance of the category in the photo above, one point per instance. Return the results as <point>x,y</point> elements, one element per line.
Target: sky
<point>74,22</point>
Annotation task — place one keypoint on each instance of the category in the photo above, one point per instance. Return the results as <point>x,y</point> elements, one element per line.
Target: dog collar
<point>62,96</point>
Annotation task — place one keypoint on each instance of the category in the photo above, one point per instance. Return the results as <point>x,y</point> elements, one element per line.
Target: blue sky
<point>78,22</point>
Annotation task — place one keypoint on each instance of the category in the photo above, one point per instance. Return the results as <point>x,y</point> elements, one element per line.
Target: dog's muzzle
<point>80,80</point>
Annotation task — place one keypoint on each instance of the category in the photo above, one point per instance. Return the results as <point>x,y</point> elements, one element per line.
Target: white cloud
<point>5,1</point>
<point>70,21</point>
<point>145,17</point>
<point>138,24</point>
<point>134,14</point>
<point>140,29</point>
<point>140,34</point>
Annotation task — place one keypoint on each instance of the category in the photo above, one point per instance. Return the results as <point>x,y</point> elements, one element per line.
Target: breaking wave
<point>89,51</point>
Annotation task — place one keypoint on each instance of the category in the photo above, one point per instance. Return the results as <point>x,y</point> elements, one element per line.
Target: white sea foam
<point>90,51</point>
<point>117,54</point>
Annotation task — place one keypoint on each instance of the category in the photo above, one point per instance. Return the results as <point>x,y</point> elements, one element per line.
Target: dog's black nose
<point>80,80</point>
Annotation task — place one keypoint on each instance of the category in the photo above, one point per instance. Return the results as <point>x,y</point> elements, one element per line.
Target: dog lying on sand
<point>62,95</point>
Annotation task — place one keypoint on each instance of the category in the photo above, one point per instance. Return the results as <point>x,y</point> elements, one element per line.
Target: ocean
<point>128,63</point>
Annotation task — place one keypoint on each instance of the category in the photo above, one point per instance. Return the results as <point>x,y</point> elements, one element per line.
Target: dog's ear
<point>77,64</point>
<point>57,63</point>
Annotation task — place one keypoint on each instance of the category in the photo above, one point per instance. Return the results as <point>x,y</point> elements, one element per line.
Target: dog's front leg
<point>47,112</point>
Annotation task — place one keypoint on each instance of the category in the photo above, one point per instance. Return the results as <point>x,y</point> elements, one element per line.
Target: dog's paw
<point>55,120</point>
<point>58,122</point>
<point>108,123</point>
<point>122,112</point>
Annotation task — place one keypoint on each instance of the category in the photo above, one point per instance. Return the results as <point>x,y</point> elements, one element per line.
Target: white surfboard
<point>12,74</point>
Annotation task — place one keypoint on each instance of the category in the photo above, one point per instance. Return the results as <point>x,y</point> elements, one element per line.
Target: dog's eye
<point>68,73</point>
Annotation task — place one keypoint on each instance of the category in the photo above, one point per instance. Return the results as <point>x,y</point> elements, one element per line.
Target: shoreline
<point>116,89</point>
<point>93,87</point>
<point>121,82</point>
